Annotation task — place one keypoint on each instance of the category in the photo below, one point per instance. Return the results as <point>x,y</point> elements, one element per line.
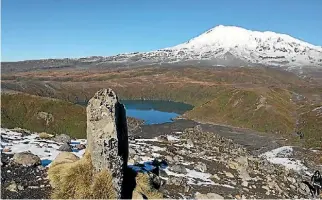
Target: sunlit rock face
<point>107,135</point>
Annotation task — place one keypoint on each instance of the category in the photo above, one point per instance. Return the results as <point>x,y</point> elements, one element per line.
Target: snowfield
<point>283,156</point>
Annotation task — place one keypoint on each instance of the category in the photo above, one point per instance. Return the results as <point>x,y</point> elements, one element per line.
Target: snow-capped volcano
<point>219,46</point>
<point>252,47</point>
<point>227,46</point>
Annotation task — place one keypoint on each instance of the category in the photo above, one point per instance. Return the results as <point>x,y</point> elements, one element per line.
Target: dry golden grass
<point>76,180</point>
<point>102,187</point>
<point>144,186</point>
<point>44,135</point>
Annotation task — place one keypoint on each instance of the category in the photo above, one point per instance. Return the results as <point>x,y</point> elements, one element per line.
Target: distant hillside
<point>262,99</point>
<point>42,114</point>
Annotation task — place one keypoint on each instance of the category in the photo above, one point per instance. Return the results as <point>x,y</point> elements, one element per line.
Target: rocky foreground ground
<point>197,164</point>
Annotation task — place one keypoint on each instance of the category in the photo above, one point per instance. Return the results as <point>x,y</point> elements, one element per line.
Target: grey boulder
<point>65,147</point>
<point>26,158</point>
<point>62,138</point>
<point>178,169</point>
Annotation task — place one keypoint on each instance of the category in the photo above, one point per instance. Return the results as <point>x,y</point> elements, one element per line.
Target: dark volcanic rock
<point>23,182</point>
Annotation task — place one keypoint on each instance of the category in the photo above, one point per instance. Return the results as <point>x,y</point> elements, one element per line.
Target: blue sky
<point>33,29</point>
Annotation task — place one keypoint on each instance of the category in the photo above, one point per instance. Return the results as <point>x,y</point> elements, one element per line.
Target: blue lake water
<point>155,111</point>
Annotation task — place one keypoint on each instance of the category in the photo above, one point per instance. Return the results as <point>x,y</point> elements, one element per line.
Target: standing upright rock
<point>107,136</point>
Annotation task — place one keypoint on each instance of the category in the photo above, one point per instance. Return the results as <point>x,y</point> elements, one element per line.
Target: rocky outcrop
<point>107,135</point>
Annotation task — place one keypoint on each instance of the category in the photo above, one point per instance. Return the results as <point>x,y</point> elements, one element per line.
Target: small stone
<point>20,187</point>
<point>265,187</point>
<point>292,187</point>
<point>201,154</point>
<point>62,138</point>
<point>178,181</point>
<point>132,151</point>
<point>65,147</point>
<point>200,196</point>
<point>176,158</point>
<point>8,171</point>
<point>6,149</point>
<point>214,196</point>
<point>131,161</point>
<point>201,167</point>
<point>80,146</point>
<point>42,186</point>
<point>189,143</point>
<point>169,159</point>
<point>163,173</point>
<point>12,186</point>
<point>245,183</point>
<point>215,176</point>
<point>291,179</point>
<point>136,159</point>
<point>304,188</point>
<point>229,175</point>
<point>179,169</point>
<point>33,187</point>
<point>149,155</point>
<point>186,188</point>
<point>233,165</point>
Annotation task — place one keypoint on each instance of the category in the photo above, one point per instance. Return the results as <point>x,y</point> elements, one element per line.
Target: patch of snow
<point>172,138</point>
<point>156,155</point>
<point>282,156</point>
<point>195,177</point>
<point>148,140</point>
<point>45,149</point>
<point>80,153</point>
<point>156,148</point>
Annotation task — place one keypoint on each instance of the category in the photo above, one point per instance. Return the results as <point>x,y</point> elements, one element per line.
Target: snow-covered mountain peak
<point>222,44</point>
<point>219,46</point>
<point>232,36</point>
